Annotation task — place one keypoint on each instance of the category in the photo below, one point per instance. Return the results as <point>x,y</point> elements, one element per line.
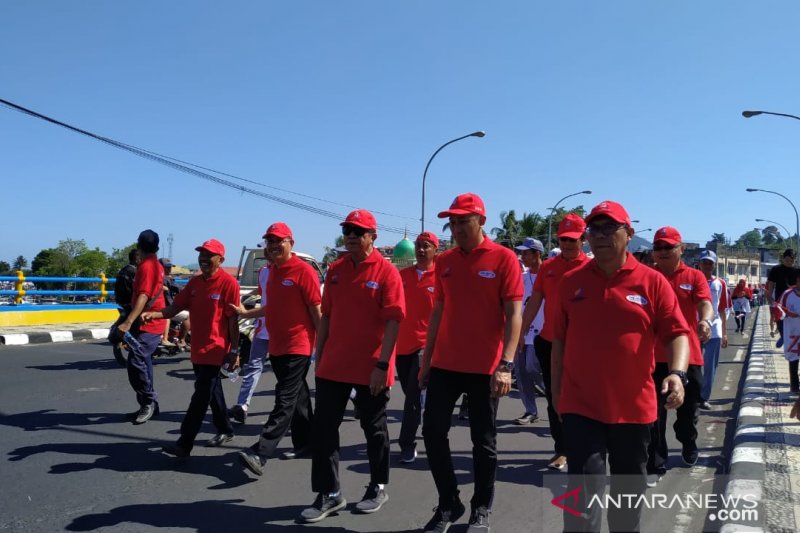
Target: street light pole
<point>748,114</point>
<point>552,212</point>
<point>788,233</point>
<point>425,174</point>
<point>796,216</point>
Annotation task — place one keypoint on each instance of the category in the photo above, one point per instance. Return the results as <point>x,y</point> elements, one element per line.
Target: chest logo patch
<point>430,289</point>
<point>372,284</point>
<point>637,299</point>
<point>579,295</point>
<point>287,283</point>
<point>488,274</point>
<point>686,286</point>
<point>215,296</point>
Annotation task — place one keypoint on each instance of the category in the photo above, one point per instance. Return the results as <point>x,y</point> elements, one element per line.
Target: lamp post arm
<point>748,114</point>
<point>550,218</point>
<point>796,216</point>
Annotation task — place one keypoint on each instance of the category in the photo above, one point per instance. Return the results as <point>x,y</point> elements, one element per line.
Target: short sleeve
<point>309,285</point>
<point>393,302</point>
<point>327,301</point>
<point>511,289</point>
<point>668,320</point>
<point>231,296</point>
<point>182,299</point>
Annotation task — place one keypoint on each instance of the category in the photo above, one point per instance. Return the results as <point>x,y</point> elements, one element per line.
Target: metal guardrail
<point>19,291</point>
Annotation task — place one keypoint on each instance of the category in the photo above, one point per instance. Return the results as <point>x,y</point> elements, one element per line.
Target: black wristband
<point>382,365</point>
<point>681,374</point>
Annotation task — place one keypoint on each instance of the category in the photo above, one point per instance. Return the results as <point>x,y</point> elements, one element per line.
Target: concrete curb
<point>747,466</point>
<point>17,339</point>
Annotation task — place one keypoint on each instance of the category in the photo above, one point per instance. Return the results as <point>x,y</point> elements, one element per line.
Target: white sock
<point>380,486</point>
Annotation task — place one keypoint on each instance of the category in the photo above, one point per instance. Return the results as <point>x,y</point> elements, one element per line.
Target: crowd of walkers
<point>611,342</point>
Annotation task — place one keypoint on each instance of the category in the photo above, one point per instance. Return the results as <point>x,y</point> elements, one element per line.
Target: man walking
<point>472,338</point>
<point>694,300</point>
<point>545,289</point>
<point>719,325</point>
<point>147,294</point>
<point>215,340</point>
<point>293,316</point>
<point>526,365</point>
<point>780,278</point>
<point>418,287</point>
<point>612,314</point>
<point>362,308</point>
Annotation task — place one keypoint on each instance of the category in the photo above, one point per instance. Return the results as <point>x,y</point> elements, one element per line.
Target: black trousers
<point>207,391</point>
<point>543,349</point>
<point>589,444</point>
<point>408,376</point>
<point>292,404</point>
<point>685,425</point>
<point>444,389</point>
<point>331,401</point>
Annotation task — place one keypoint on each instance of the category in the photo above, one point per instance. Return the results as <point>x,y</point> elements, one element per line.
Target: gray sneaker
<point>323,505</point>
<point>479,521</point>
<point>443,518</point>
<point>408,455</point>
<point>252,461</point>
<point>373,499</point>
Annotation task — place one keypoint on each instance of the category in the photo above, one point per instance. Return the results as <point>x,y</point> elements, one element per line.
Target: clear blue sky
<point>346,101</point>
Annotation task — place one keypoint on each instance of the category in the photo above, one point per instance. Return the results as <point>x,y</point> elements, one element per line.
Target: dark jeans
<point>589,444</point>
<point>407,375</point>
<point>292,404</point>
<point>140,368</point>
<point>543,349</point>
<point>331,401</point>
<point>685,425</point>
<point>207,391</point>
<point>444,389</point>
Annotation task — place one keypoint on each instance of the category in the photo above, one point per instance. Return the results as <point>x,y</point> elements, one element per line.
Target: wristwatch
<point>681,374</point>
<point>707,321</point>
<point>506,366</point>
<point>382,365</point>
<point>234,350</point>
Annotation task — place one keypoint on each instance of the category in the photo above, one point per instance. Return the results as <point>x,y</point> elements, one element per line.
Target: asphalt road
<point>70,461</point>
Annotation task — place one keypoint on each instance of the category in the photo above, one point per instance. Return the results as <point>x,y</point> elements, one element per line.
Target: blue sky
<point>345,101</point>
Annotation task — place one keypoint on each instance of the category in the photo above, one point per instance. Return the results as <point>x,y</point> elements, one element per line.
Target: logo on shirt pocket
<point>637,299</point>
<point>686,286</point>
<point>488,274</point>
<point>430,289</point>
<point>287,283</point>
<point>215,296</point>
<point>372,284</point>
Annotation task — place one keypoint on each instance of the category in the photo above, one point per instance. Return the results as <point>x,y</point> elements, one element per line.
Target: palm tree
<point>533,225</point>
<point>508,233</point>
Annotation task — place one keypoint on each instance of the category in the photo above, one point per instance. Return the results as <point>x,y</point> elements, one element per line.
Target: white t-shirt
<point>718,290</point>
<point>536,326</point>
<point>790,301</point>
<point>261,326</point>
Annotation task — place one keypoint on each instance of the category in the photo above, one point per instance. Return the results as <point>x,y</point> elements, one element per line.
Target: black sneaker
<point>373,499</point>
<point>444,518</point>
<point>689,454</point>
<point>175,449</point>
<point>539,391</point>
<point>479,521</point>
<point>238,414</point>
<point>253,461</point>
<point>145,413</point>
<point>526,419</point>
<point>408,455</point>
<point>653,479</point>
<point>219,439</point>
<point>705,406</point>
<point>323,505</point>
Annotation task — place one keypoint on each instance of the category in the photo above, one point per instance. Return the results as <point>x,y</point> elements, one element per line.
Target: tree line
<point>71,258</point>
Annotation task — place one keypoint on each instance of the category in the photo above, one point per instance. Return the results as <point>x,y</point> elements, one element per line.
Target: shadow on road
<point>52,419</point>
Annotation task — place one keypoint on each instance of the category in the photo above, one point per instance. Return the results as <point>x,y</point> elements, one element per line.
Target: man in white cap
<point>719,325</point>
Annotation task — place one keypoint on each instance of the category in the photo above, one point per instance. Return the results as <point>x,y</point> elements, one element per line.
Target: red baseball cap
<point>278,229</point>
<point>212,246</point>
<point>361,218</point>
<point>612,210</point>
<point>571,226</point>
<point>430,237</point>
<point>465,204</point>
<point>669,235</point>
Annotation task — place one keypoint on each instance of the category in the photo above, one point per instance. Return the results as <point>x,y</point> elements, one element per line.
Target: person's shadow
<point>50,418</point>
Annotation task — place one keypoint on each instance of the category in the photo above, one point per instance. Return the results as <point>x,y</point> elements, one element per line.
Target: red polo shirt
<point>358,300</point>
<point>149,280</point>
<point>610,328</point>
<point>418,289</point>
<point>472,287</point>
<point>691,287</point>
<point>207,302</point>
<point>291,289</point>
<point>547,281</point>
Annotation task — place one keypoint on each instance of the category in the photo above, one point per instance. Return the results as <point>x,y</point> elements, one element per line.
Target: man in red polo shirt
<point>292,315</point>
<point>612,314</point>
<point>362,308</point>
<point>215,340</point>
<point>472,338</point>
<point>147,294</point>
<point>694,299</point>
<point>418,287</point>
<point>545,289</point>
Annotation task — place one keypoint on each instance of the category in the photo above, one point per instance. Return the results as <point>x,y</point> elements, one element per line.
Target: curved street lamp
<point>748,114</point>
<point>552,212</point>
<point>788,233</point>
<point>425,174</point>
<point>796,216</point>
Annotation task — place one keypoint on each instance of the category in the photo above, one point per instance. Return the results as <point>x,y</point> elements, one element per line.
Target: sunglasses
<point>274,240</point>
<point>357,230</point>
<point>566,239</point>
<point>664,247</point>
<point>606,230</point>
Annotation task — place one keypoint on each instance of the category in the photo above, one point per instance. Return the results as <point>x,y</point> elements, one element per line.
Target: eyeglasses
<point>664,247</point>
<point>606,230</point>
<point>357,230</point>
<point>566,239</point>
<point>274,240</point>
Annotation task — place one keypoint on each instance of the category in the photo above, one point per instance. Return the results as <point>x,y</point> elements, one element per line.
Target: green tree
<point>750,239</point>
<point>718,238</point>
<point>90,263</point>
<point>330,252</point>
<point>40,262</point>
<point>533,225</point>
<point>118,259</point>
<point>508,234</point>
<point>20,263</point>
<point>5,269</point>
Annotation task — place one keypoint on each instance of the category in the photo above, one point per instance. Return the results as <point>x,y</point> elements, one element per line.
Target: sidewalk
<point>53,333</point>
<point>766,456</point>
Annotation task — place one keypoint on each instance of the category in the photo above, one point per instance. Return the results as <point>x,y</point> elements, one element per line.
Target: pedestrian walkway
<point>16,335</point>
<point>766,457</point>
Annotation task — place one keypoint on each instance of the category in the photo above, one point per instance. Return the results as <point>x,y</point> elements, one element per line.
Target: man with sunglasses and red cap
<point>612,314</point>
<point>362,308</point>
<point>694,299</point>
<point>545,289</point>
<point>472,338</point>
<point>418,287</point>
<point>209,298</point>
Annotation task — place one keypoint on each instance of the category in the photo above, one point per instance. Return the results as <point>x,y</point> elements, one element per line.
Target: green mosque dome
<point>404,249</point>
